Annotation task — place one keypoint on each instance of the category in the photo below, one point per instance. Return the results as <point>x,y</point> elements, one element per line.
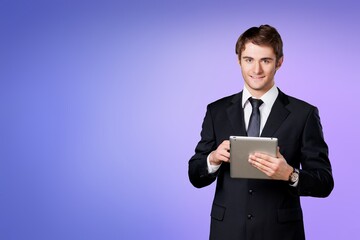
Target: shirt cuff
<point>211,168</point>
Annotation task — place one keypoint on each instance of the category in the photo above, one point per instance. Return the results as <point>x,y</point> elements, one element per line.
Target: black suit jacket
<point>263,209</point>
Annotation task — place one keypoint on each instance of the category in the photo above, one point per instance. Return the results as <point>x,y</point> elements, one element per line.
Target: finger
<point>225,153</point>
<point>224,158</point>
<point>263,168</point>
<point>271,160</point>
<point>262,155</point>
<point>226,145</point>
<point>254,159</point>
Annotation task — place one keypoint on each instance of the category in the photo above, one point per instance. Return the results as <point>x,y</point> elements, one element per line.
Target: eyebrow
<point>265,58</point>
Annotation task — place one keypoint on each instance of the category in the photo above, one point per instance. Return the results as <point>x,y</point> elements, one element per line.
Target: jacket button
<point>249,216</point>
<point>251,191</point>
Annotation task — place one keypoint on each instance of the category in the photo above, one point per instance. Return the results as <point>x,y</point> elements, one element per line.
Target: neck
<point>258,93</point>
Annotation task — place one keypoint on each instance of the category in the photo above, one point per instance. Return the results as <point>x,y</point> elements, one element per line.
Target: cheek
<point>271,70</point>
<point>244,68</point>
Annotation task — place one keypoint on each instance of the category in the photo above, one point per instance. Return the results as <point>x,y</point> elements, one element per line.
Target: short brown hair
<point>265,35</point>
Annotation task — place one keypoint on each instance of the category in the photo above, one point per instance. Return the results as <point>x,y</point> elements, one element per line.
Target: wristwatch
<point>294,176</point>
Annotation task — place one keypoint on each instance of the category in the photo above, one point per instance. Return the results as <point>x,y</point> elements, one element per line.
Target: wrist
<point>294,176</point>
<point>289,172</point>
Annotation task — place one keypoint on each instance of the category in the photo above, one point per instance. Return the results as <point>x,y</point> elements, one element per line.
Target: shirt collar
<point>268,98</point>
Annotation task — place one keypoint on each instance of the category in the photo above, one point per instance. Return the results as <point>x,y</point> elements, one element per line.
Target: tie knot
<point>255,103</point>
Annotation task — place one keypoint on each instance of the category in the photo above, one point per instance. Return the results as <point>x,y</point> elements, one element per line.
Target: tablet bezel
<point>240,149</point>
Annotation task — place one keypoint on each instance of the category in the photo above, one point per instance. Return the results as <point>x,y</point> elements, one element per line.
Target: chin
<point>257,87</point>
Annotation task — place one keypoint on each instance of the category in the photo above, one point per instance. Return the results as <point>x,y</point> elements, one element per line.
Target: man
<point>262,209</point>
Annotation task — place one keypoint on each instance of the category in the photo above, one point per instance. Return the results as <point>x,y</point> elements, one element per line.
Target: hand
<point>221,154</point>
<point>275,167</point>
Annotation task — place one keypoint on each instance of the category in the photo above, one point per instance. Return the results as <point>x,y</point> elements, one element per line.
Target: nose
<point>257,68</point>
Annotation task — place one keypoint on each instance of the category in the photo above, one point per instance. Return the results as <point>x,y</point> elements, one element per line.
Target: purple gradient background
<point>84,83</point>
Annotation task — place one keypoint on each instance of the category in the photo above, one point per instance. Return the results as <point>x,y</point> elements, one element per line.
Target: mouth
<point>257,77</point>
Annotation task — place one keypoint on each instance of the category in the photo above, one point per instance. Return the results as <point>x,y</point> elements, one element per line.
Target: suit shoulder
<point>298,103</point>
<point>225,101</point>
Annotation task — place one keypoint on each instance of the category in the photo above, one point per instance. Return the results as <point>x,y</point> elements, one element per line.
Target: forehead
<point>256,51</point>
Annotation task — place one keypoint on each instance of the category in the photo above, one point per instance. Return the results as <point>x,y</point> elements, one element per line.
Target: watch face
<point>294,177</point>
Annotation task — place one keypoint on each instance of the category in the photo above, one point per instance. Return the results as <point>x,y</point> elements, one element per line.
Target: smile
<point>257,77</point>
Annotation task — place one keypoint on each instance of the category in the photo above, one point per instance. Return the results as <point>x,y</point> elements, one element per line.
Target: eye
<point>266,61</point>
<point>248,60</point>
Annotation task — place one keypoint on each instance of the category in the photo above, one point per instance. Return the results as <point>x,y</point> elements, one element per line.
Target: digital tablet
<point>241,148</point>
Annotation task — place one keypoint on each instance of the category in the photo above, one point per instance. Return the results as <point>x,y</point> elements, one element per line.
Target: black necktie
<point>254,123</point>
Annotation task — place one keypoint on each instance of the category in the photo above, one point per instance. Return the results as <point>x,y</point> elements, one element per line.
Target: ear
<point>279,63</point>
<point>239,60</point>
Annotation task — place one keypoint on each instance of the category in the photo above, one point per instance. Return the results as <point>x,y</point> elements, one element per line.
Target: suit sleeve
<point>315,175</point>
<point>198,172</point>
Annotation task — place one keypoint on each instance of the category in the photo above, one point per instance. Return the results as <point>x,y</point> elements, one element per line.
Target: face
<point>258,66</point>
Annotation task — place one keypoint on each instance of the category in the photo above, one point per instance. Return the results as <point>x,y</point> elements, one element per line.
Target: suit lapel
<point>236,115</point>
<point>277,115</point>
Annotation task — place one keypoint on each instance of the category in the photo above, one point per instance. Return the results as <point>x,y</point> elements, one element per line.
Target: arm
<point>315,177</point>
<point>198,165</point>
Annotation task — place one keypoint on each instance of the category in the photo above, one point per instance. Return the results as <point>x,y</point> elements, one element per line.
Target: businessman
<point>261,209</point>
